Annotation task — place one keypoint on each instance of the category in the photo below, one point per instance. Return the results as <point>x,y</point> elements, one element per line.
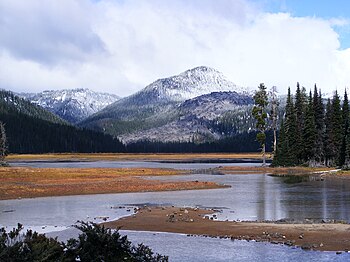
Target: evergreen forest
<point>32,129</point>
<point>314,131</point>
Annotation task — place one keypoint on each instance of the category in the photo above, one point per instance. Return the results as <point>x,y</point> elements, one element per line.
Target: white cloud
<point>121,46</point>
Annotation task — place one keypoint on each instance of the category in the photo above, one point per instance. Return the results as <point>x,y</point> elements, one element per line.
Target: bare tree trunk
<point>274,141</point>
<point>274,118</point>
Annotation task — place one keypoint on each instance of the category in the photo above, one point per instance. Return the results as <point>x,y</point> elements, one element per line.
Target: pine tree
<point>346,164</point>
<point>345,119</point>
<point>334,132</point>
<point>309,134</point>
<point>320,126</point>
<point>300,108</point>
<point>260,114</point>
<point>328,139</point>
<point>280,157</point>
<point>290,126</point>
<point>337,127</point>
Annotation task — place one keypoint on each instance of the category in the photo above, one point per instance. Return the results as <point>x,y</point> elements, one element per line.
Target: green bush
<point>94,243</point>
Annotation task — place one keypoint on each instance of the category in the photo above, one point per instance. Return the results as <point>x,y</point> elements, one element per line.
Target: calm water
<point>124,164</point>
<point>181,248</point>
<point>251,197</point>
<point>198,249</point>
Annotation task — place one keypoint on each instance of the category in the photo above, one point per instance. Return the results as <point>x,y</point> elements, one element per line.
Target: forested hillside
<point>12,105</point>
<point>31,129</point>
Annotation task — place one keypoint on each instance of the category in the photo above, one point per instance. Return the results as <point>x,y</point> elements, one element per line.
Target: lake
<point>250,197</point>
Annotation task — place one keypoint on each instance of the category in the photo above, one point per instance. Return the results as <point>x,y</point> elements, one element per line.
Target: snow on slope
<point>72,105</point>
<point>192,83</point>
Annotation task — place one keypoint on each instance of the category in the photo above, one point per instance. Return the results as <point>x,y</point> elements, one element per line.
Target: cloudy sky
<point>120,46</point>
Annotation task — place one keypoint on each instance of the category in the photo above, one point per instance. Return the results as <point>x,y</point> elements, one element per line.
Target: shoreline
<point>201,222</point>
<point>28,182</point>
<point>131,156</point>
<point>23,182</point>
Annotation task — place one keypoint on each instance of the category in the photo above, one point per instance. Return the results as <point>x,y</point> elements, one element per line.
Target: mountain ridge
<point>73,105</point>
<point>161,104</point>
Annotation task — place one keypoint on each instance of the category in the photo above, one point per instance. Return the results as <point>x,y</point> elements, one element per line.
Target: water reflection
<point>251,197</point>
<point>127,164</point>
<point>181,248</point>
<point>329,199</point>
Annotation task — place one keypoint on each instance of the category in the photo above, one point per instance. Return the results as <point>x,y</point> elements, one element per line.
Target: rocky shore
<point>326,235</point>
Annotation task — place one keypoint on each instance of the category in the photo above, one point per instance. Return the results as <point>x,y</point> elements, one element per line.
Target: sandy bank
<point>330,237</point>
<point>41,182</point>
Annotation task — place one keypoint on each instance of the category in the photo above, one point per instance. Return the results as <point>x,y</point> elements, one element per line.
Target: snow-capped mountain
<point>173,108</point>
<point>201,119</point>
<point>12,104</point>
<point>72,105</point>
<point>191,83</point>
<point>160,96</point>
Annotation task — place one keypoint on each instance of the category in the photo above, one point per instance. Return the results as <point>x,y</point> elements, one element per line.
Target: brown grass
<point>39,182</point>
<point>107,156</point>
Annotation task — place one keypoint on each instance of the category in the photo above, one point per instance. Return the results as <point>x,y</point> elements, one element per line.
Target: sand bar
<point>321,236</point>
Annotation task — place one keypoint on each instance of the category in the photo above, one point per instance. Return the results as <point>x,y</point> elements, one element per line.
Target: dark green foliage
<point>10,104</point>
<point>320,126</point>
<point>346,164</point>
<point>337,128</point>
<point>31,129</point>
<point>281,157</point>
<point>345,118</point>
<point>95,243</point>
<point>260,114</point>
<point>30,246</point>
<point>324,134</point>
<point>329,147</point>
<point>30,135</point>
<point>290,129</point>
<point>300,111</point>
<point>309,134</point>
<point>3,144</point>
<point>244,142</point>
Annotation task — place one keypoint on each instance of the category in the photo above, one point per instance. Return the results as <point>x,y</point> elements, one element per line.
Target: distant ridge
<point>73,105</point>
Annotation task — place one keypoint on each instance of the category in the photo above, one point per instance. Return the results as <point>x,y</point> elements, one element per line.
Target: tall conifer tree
<point>345,119</point>
<point>309,134</point>
<point>320,126</point>
<point>290,127</point>
<point>328,139</point>
<point>337,127</point>
<point>300,118</point>
<point>260,114</point>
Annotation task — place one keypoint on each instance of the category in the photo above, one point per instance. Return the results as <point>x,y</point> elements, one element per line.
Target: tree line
<point>27,134</point>
<point>312,132</point>
<point>241,143</point>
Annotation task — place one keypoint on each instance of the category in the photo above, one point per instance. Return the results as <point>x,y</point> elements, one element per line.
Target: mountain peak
<point>191,83</point>
<point>202,69</point>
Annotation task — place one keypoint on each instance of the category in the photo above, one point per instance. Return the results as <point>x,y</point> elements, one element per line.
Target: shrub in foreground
<point>94,243</point>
